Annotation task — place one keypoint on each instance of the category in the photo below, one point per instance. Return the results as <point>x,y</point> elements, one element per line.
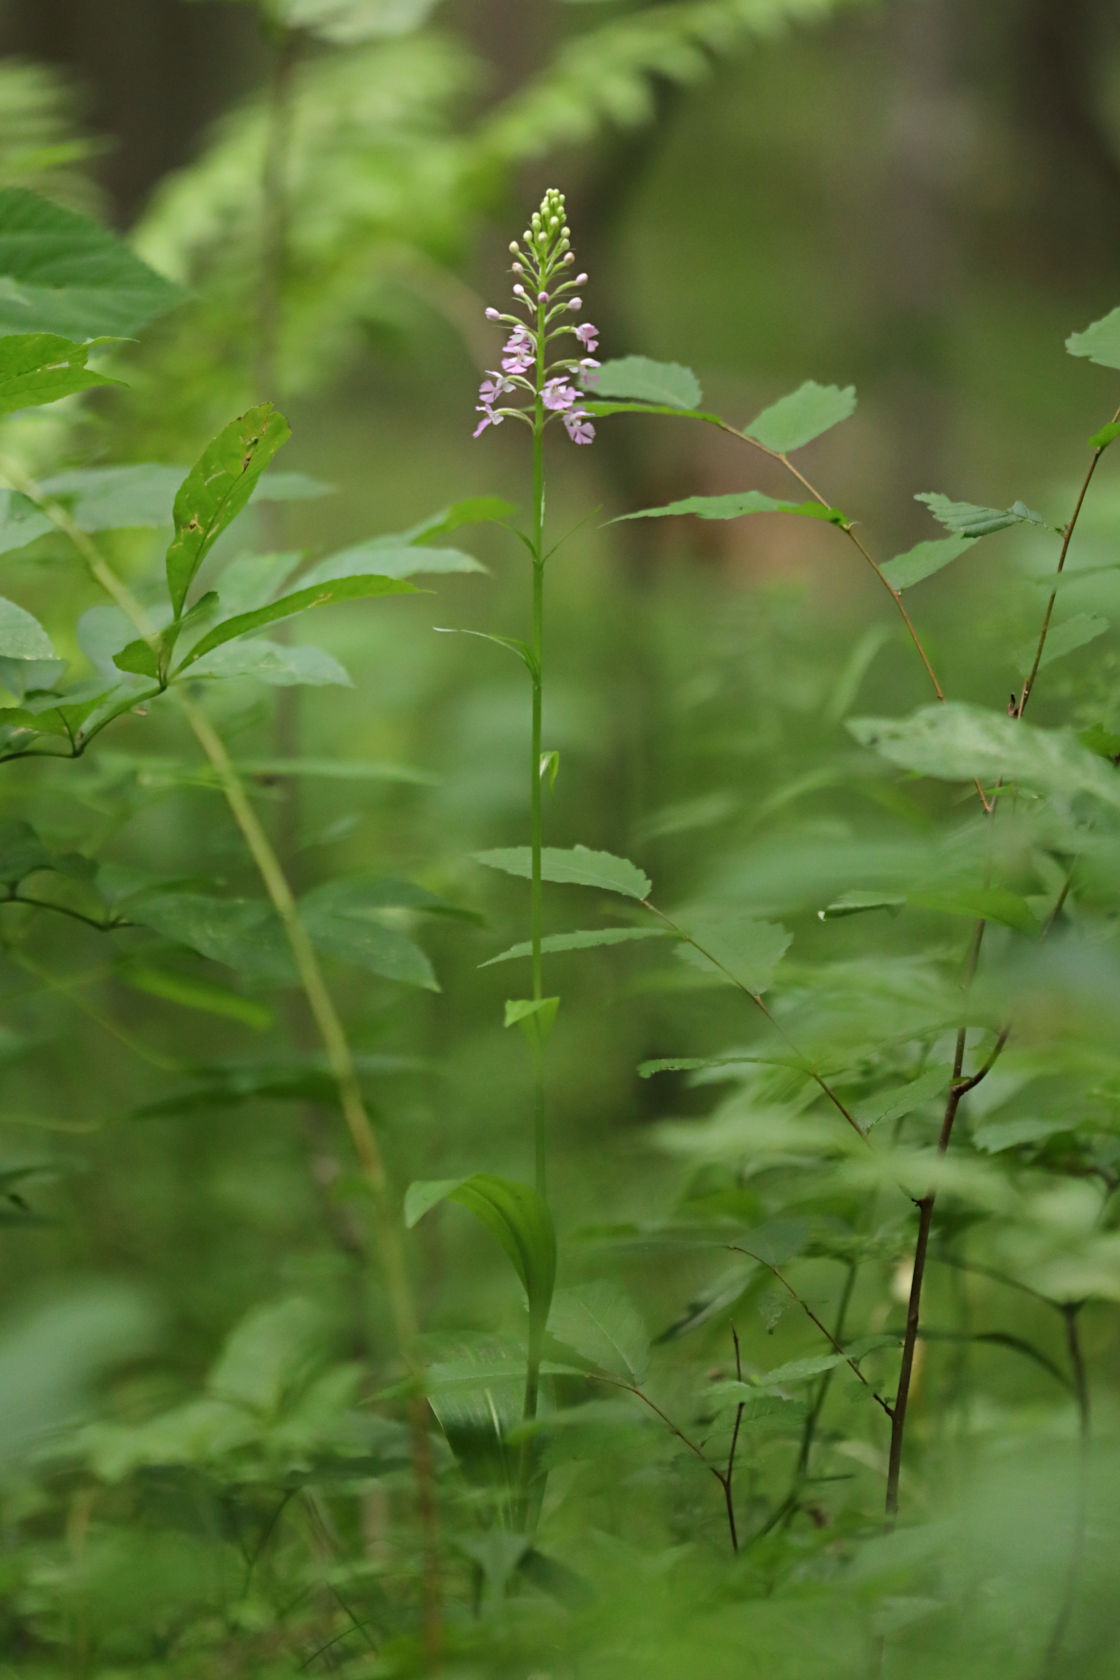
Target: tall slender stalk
<point>536,778</point>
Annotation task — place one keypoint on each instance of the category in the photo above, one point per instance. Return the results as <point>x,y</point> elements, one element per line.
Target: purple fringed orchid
<point>549,384</point>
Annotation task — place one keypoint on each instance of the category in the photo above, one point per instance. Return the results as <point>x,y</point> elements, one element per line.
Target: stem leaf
<point>578,866</point>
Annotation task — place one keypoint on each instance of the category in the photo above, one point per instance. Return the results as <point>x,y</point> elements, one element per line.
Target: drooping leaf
<point>64,274</point>
<point>522,649</point>
<point>302,600</point>
<point>399,560</point>
<point>638,378</point>
<point>734,506</point>
<point>583,940</point>
<point>797,419</point>
<point>22,637</point>
<point>472,510</point>
<point>579,866</point>
<point>1072,633</point>
<point>967,519</point>
<point>923,560</point>
<point>217,488</point>
<point>957,742</point>
<point>1100,341</point>
<point>37,368</point>
<point>515,1214</point>
<point>600,1323</point>
<point>734,945</point>
<point>280,664</point>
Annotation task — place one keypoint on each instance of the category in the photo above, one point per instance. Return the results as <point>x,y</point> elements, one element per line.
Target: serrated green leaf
<point>801,1370</point>
<point>516,1214</point>
<point>1072,633</point>
<point>280,664</point>
<point>967,519</point>
<point>885,1108</point>
<point>217,488</point>
<point>22,637</point>
<point>957,742</point>
<point>472,510</point>
<point>341,928</point>
<point>302,600</point>
<point>583,940</point>
<point>64,274</point>
<point>600,1323</point>
<point>244,934</point>
<point>37,368</point>
<point>923,560</point>
<point>398,560</point>
<point>1100,341</point>
<point>578,866</point>
<point>637,377</point>
<point>689,1064</point>
<point>796,420</point>
<point>734,945</point>
<point>734,506</point>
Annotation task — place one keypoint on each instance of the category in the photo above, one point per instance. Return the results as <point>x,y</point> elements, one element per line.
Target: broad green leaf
<point>242,933</point>
<point>734,945</point>
<point>516,1214</point>
<point>734,506</point>
<point>1100,341</point>
<point>897,1104</point>
<point>801,1370</point>
<point>637,377</point>
<point>604,409</point>
<point>21,636</point>
<point>522,649</point>
<point>1074,632</point>
<point>346,22</point>
<point>367,942</point>
<point>989,904</point>
<point>600,1323</point>
<point>273,1350</point>
<point>22,677</point>
<point>320,595</point>
<point>190,992</point>
<point>997,1135</point>
<point>37,368</point>
<point>584,940</point>
<point>957,742</point>
<point>62,273</point>
<point>472,510</point>
<point>399,560</point>
<point>923,560</point>
<point>279,664</point>
<point>217,488</point>
<point>579,866</point>
<point>967,519</point>
<point>21,521</point>
<point>797,419</point>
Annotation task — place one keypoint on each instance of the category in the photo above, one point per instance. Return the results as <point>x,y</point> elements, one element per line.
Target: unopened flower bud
<point>542,297</point>
<point>514,246</point>
<point>519,290</point>
<point>493,315</point>
<point>574,303</point>
<point>580,279</point>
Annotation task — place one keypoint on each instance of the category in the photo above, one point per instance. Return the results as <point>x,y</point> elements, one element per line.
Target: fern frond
<point>41,143</point>
<point>605,76</point>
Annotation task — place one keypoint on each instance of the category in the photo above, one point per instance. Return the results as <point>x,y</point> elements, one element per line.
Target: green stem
<point>540,1149</point>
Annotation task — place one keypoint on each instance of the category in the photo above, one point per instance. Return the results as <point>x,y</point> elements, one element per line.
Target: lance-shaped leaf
<point>37,368</point>
<point>797,419</point>
<point>302,600</point>
<point>1074,632</point>
<point>516,1214</point>
<point>62,273</point>
<point>522,649</point>
<point>923,560</point>
<point>583,940</point>
<point>1100,341</point>
<point>639,378</point>
<point>391,559</point>
<point>600,1323</point>
<point>734,506</point>
<point>957,742</point>
<point>734,945</point>
<point>217,488</point>
<point>967,519</point>
<point>578,866</point>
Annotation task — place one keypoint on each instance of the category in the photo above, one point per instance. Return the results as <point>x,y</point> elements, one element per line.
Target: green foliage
<point>796,420</point>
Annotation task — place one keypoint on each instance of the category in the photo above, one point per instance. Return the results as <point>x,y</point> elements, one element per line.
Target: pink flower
<point>489,418</point>
<point>588,336</point>
<point>493,387</point>
<point>578,425</point>
<point>557,394</point>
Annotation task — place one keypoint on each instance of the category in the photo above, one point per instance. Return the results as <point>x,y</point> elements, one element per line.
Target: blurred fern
<point>41,144</point>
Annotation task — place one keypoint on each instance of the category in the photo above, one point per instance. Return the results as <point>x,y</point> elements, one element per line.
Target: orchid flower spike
<point>539,381</point>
